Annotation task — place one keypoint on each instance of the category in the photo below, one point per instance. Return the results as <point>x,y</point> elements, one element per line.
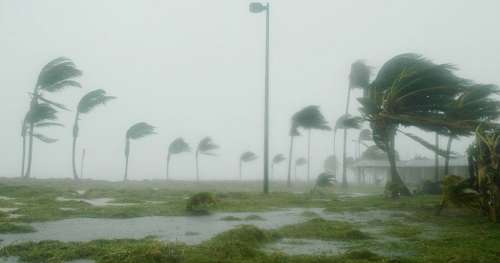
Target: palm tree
<point>55,76</point>
<point>136,131</point>
<point>205,147</point>
<point>246,157</point>
<point>346,122</point>
<point>410,91</point>
<point>87,104</point>
<point>293,133</point>
<point>178,146</point>
<point>277,159</point>
<point>309,118</point>
<point>41,115</point>
<point>299,162</point>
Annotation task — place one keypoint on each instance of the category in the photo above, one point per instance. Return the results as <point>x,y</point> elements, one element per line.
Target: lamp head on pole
<point>256,7</point>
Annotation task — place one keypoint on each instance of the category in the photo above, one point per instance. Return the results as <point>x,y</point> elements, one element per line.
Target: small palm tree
<point>42,115</point>
<point>87,104</point>
<point>346,122</point>
<point>55,76</point>
<point>178,146</point>
<point>293,133</point>
<point>299,162</point>
<point>310,118</point>
<point>277,159</point>
<point>205,147</point>
<point>246,157</point>
<point>136,131</point>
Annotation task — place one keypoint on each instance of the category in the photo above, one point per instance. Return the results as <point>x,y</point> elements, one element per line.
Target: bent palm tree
<point>135,132</point>
<point>247,157</point>
<point>87,104</point>
<point>293,133</point>
<point>205,147</point>
<point>310,118</point>
<point>299,162</point>
<point>178,146</point>
<point>277,159</point>
<point>410,91</point>
<point>55,76</point>
<point>41,115</point>
<point>346,122</point>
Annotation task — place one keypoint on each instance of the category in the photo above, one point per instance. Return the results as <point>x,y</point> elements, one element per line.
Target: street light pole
<point>257,8</point>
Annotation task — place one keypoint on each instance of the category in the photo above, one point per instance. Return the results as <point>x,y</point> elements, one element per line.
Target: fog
<point>194,68</point>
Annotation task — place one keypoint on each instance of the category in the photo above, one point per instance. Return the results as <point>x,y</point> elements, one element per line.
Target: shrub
<point>201,203</point>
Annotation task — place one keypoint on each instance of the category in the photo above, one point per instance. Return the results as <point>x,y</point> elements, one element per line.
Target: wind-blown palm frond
<point>48,124</point>
<point>347,121</point>
<point>278,158</point>
<point>41,112</point>
<point>248,157</point>
<point>374,153</point>
<point>44,138</point>
<point>93,99</point>
<point>360,75</point>
<point>53,103</point>
<point>58,74</point>
<point>140,130</point>
<point>178,146</point>
<point>310,117</point>
<point>365,135</point>
<point>426,144</point>
<point>300,161</point>
<point>206,146</point>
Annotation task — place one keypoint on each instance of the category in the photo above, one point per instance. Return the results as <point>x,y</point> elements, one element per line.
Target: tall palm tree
<point>346,122</point>
<point>293,133</point>
<point>205,147</point>
<point>42,115</point>
<point>87,104</point>
<point>299,162</point>
<point>310,118</point>
<point>246,157</point>
<point>277,159</point>
<point>178,146</point>
<point>410,90</point>
<point>135,132</point>
<point>55,76</point>
<point>364,136</point>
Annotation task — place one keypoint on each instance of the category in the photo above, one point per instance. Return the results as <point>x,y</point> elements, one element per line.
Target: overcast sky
<point>194,68</point>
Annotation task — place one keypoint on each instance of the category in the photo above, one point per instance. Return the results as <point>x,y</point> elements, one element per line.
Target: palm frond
<point>248,157</point>
<point>41,112</point>
<point>178,146</point>
<point>310,117</point>
<point>44,138</point>
<point>347,121</point>
<point>300,161</point>
<point>140,130</point>
<point>206,145</point>
<point>374,153</point>
<point>48,124</point>
<point>365,135</point>
<point>92,99</point>
<point>55,74</point>
<point>55,104</point>
<point>278,158</point>
<point>427,145</point>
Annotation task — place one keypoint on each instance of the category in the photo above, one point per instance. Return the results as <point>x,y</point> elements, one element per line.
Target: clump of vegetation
<point>230,218</point>
<point>201,203</point>
<point>10,228</point>
<point>254,218</point>
<point>429,187</point>
<point>318,228</point>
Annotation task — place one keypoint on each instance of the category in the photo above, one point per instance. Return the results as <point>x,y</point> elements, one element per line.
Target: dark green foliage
<point>325,180</point>
<point>178,146</point>
<point>347,121</point>
<point>201,203</point>
<point>140,130</point>
<point>429,187</point>
<point>58,74</point>
<point>360,75</point>
<point>93,99</point>
<point>10,228</point>
<point>206,146</point>
<point>310,117</point>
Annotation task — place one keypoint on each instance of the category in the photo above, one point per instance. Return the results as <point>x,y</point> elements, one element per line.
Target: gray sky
<point>194,68</point>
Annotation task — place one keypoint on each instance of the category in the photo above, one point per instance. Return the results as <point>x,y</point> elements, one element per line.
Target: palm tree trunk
<point>295,173</point>
<point>73,152</point>
<point>24,155</point>
<point>82,163</point>
<point>30,151</point>
<point>344,158</point>
<point>197,168</point>
<point>308,155</point>
<point>395,178</point>
<point>168,166</point>
<point>436,160</point>
<point>447,157</point>
<point>290,157</point>
<point>127,153</point>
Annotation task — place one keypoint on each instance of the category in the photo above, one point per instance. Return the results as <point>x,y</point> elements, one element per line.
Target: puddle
<point>9,210</point>
<point>67,209</point>
<point>94,202</point>
<point>81,192</point>
<point>307,247</point>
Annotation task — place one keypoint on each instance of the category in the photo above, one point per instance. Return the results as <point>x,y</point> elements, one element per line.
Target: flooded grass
<point>322,229</point>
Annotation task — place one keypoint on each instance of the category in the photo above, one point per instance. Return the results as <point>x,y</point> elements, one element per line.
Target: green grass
<point>10,228</point>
